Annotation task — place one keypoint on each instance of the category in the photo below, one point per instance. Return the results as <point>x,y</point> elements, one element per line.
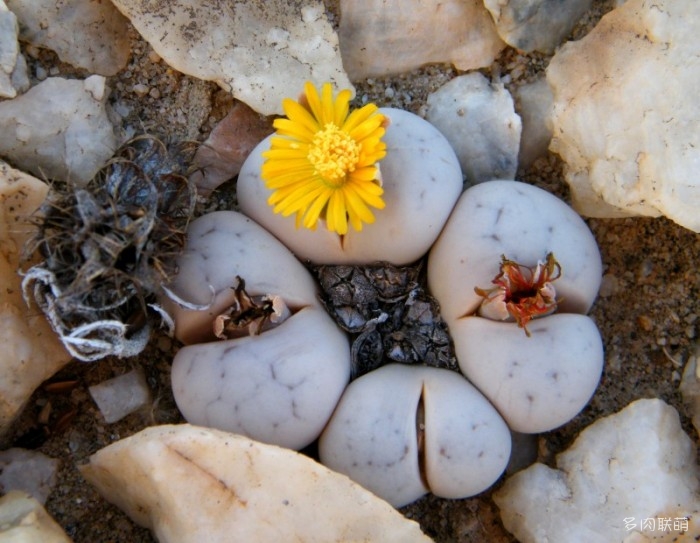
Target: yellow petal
<point>357,207</point>
<point>283,180</point>
<point>314,212</point>
<point>366,128</point>
<point>373,149</point>
<point>273,167</point>
<point>297,220</point>
<point>327,109</point>
<point>371,158</point>
<point>294,129</point>
<point>300,115</point>
<point>342,106</point>
<point>303,197</point>
<point>314,101</point>
<point>284,154</point>
<point>285,192</point>
<point>280,195</point>
<point>336,215</point>
<point>288,143</point>
<point>369,193</point>
<point>364,173</point>
<point>359,116</point>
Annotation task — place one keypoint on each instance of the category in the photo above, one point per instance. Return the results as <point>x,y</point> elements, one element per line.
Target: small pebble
<point>30,471</point>
<point>609,286</point>
<point>122,395</point>
<point>140,89</point>
<point>645,323</point>
<point>164,343</point>
<point>32,50</point>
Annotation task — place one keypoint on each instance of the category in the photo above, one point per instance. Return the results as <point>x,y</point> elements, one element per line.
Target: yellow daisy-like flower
<point>322,161</point>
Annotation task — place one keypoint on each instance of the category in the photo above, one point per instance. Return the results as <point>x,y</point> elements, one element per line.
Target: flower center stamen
<point>333,154</point>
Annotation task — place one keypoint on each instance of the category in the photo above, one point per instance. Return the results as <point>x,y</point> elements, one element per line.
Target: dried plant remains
<point>107,248</point>
<point>521,293</point>
<point>389,314</point>
<point>249,315</point>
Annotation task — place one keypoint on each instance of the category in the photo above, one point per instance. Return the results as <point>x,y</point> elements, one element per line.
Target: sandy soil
<point>647,311</point>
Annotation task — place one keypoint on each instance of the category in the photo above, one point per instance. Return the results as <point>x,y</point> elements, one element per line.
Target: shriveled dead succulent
<point>389,313</point>
<point>108,247</point>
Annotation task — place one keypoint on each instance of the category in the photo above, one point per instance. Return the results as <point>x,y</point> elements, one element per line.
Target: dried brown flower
<point>249,315</point>
<point>108,247</point>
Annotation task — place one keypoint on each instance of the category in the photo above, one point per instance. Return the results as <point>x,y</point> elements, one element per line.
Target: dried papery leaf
<point>249,315</point>
<point>108,248</point>
<point>389,313</point>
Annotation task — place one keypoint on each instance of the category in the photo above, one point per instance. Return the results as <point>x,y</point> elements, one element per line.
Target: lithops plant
<point>515,270</point>
<point>264,358</point>
<point>359,187</point>
<point>403,431</point>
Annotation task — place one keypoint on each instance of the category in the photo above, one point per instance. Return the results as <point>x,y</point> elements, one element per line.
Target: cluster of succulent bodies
<point>401,430</point>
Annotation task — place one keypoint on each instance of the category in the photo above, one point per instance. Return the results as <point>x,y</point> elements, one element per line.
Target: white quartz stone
<point>122,395</point>
<point>421,179</point>
<point>536,25</point>
<point>24,520</point>
<point>690,386</point>
<point>382,37</point>
<point>539,382</point>
<point>374,438</point>
<point>13,67</point>
<point>634,465</point>
<point>478,119</point>
<point>86,34</point>
<point>29,471</point>
<point>31,352</point>
<point>221,246</point>
<point>9,48</point>
<point>20,75</point>
<point>533,102</point>
<point>278,387</point>
<point>59,129</point>
<point>190,485</point>
<point>625,120</point>
<point>522,222</point>
<point>262,51</point>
